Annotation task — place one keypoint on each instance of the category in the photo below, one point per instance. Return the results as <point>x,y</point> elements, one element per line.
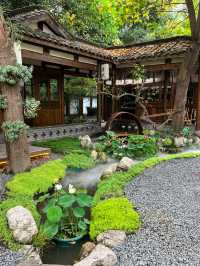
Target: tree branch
<point>192,17</point>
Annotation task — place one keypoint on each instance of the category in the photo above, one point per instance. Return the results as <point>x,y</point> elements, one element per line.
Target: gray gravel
<point>168,199</point>
<point>9,258</point>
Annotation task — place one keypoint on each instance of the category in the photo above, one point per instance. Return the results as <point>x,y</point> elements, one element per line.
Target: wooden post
<point>81,106</point>
<point>114,90</point>
<point>99,101</point>
<point>198,105</point>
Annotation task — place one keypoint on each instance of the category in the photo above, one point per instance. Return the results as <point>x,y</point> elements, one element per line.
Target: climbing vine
<point>31,107</point>
<point>13,129</point>
<point>3,102</point>
<point>12,74</point>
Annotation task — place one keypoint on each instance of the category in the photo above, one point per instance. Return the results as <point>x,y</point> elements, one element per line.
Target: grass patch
<point>107,211</point>
<point>115,213</point>
<point>80,161</point>
<point>62,145</point>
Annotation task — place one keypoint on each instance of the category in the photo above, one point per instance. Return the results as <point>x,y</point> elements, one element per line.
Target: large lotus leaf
<point>50,229</point>
<point>84,200</point>
<point>54,214</point>
<point>66,201</point>
<point>51,203</point>
<point>79,212</point>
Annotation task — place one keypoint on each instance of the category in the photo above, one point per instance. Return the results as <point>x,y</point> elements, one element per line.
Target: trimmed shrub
<point>38,180</point>
<point>116,213</point>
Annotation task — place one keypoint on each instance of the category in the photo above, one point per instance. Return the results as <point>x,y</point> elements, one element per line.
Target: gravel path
<point>9,258</point>
<point>168,198</point>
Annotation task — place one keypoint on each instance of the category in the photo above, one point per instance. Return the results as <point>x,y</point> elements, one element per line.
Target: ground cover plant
<point>24,188</point>
<point>133,146</point>
<point>62,145</point>
<point>112,188</point>
<point>106,215</point>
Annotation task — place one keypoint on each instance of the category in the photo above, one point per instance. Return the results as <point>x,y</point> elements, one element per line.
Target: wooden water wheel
<point>124,123</point>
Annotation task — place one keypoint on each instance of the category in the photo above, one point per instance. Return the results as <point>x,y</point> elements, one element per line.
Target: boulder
<point>22,224</point>
<point>112,238</point>
<point>87,249</point>
<point>101,255</point>
<point>197,140</point>
<point>85,141</point>
<point>30,256</point>
<point>179,142</point>
<point>109,171</point>
<point>125,164</point>
<point>94,155</point>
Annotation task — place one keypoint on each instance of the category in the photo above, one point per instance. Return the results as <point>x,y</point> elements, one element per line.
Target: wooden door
<point>49,90</point>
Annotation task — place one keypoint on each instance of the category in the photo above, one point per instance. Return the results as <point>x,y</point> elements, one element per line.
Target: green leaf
<point>79,212</point>
<point>54,214</point>
<point>50,229</point>
<point>51,203</point>
<point>82,225</point>
<point>42,198</point>
<point>84,200</point>
<point>66,201</point>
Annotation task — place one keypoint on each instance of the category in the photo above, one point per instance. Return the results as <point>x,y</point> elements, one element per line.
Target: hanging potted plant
<point>65,215</point>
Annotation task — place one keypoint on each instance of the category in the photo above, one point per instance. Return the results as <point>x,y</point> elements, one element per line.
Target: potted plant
<point>65,215</point>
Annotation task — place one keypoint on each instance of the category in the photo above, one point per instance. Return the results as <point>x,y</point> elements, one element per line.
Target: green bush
<point>79,161</point>
<point>116,213</point>
<point>62,145</point>
<point>38,180</point>
<point>134,146</point>
<point>5,233</point>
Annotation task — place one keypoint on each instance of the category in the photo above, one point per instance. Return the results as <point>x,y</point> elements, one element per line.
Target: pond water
<point>87,179</point>
<point>63,255</point>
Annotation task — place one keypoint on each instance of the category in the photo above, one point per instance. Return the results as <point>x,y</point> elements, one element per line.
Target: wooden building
<point>54,54</point>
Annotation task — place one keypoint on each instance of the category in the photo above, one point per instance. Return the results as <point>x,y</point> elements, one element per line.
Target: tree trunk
<point>182,84</point>
<point>18,151</point>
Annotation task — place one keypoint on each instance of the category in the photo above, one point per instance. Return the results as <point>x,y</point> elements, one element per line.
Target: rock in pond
<point>87,249</point>
<point>85,141</point>
<point>101,255</point>
<point>22,224</point>
<point>125,164</point>
<point>31,256</point>
<point>94,155</point>
<point>112,238</point>
<point>109,171</point>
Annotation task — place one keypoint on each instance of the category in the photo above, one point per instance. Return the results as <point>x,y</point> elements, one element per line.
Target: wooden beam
<point>56,60</point>
<point>64,48</point>
<point>172,66</point>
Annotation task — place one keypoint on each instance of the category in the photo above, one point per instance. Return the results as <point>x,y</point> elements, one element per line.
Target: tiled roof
<point>152,49</point>
<point>139,51</point>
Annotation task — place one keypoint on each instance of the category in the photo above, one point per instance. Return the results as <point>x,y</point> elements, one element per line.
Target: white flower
<point>58,187</point>
<point>71,189</point>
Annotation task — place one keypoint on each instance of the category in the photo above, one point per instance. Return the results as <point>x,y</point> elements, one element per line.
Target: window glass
<point>54,90</point>
<point>43,91</point>
<point>28,89</point>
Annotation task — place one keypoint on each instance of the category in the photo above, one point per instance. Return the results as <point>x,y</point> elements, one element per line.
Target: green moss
<point>81,161</point>
<point>38,180</point>
<point>63,145</point>
<point>5,233</point>
<point>116,213</point>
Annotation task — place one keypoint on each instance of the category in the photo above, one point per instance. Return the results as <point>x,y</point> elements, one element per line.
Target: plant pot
<point>67,242</point>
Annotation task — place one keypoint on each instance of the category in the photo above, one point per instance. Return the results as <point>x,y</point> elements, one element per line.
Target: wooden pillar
<point>99,101</point>
<point>198,105</point>
<point>81,106</point>
<point>114,90</point>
